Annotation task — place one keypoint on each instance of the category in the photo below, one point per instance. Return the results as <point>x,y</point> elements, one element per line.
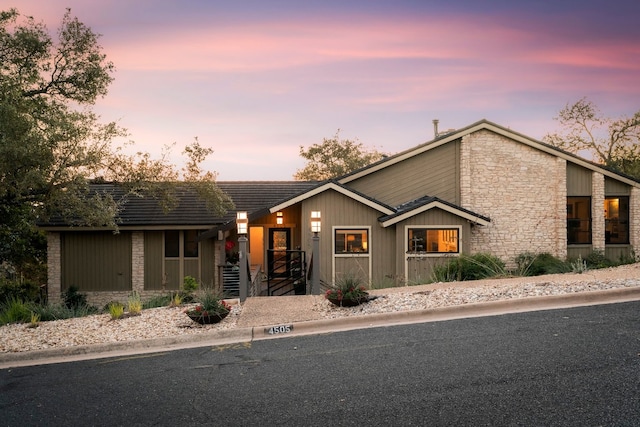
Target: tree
<point>52,144</point>
<point>333,158</point>
<point>613,143</point>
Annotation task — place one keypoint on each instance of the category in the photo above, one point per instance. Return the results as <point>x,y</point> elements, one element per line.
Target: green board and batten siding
<point>428,174</point>
<point>96,261</point>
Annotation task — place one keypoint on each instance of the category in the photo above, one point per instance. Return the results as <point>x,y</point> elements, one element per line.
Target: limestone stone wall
<point>597,212</point>
<point>634,219</point>
<point>54,267</point>
<point>521,189</point>
<point>137,261</point>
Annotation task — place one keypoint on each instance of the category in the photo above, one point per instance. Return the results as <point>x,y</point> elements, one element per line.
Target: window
<point>433,240</point>
<point>189,244</point>
<point>351,241</point>
<point>578,220</point>
<point>172,244</point>
<point>616,220</point>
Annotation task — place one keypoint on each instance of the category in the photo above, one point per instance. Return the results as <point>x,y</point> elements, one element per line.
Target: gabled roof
<point>486,125</point>
<point>191,211</point>
<point>423,204</point>
<point>332,185</point>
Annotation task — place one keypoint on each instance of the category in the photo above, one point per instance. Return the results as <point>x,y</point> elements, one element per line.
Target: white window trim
<point>431,254</point>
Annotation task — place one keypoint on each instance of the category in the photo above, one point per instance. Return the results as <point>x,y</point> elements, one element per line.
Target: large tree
<point>52,144</point>
<point>334,157</point>
<point>611,142</point>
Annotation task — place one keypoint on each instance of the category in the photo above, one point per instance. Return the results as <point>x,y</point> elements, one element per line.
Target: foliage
<point>52,144</point>
<point>73,299</point>
<point>190,284</point>
<point>529,264</point>
<point>596,259</point>
<point>333,158</point>
<point>134,303</point>
<point>349,288</point>
<point>50,312</point>
<point>35,320</point>
<point>209,302</point>
<point>157,301</point>
<point>474,267</point>
<point>116,310</point>
<point>579,265</point>
<point>14,310</point>
<point>25,290</point>
<point>613,143</point>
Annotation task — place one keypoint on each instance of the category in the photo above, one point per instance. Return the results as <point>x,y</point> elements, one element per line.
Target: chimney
<point>435,128</point>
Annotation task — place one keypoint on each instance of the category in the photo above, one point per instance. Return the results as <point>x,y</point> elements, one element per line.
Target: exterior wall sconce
<point>315,222</point>
<point>242,222</point>
<point>279,218</point>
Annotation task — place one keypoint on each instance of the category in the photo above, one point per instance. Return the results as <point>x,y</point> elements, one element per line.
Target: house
<point>483,188</point>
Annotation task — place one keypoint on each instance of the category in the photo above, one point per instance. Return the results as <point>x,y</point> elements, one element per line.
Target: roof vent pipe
<point>435,128</point>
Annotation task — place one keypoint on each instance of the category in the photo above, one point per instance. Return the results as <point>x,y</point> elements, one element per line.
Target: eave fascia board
<point>331,186</point>
<point>435,204</point>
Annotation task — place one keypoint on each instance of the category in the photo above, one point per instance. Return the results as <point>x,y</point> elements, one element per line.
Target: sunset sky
<point>255,80</point>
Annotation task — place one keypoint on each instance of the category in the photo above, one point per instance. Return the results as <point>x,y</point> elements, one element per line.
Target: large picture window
<point>433,240</point>
<point>616,220</point>
<point>351,241</point>
<point>578,220</point>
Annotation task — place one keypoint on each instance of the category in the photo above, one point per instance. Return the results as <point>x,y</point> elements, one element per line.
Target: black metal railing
<point>286,272</point>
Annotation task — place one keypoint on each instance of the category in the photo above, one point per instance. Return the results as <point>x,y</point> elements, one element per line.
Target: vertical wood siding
<point>339,210</point>
<point>434,173</point>
<point>153,260</point>
<point>578,180</point>
<point>616,188</point>
<point>96,261</point>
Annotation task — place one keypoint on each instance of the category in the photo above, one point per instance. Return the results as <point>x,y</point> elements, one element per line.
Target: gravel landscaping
<point>165,322</point>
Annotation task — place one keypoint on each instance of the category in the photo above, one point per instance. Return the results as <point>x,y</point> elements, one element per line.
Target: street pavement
<point>274,317</point>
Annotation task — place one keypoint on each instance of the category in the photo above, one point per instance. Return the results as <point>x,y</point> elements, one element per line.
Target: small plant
<point>116,310</point>
<point>134,304</point>
<point>35,320</point>
<point>14,311</point>
<point>190,285</point>
<point>176,300</point>
<point>348,291</point>
<point>210,304</point>
<point>158,301</point>
<point>529,264</point>
<point>474,267</point>
<point>579,265</point>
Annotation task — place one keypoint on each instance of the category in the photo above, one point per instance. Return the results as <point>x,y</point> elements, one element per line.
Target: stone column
<point>54,267</point>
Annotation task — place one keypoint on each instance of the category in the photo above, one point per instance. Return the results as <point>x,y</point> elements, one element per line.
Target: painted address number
<point>281,329</point>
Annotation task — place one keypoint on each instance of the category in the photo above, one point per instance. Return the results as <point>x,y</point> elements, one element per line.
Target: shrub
<point>596,259</point>
<point>14,311</point>
<point>134,304</point>
<point>474,267</point>
<point>73,298</point>
<point>348,288</point>
<point>190,285</point>
<point>23,290</point>
<point>116,310</point>
<point>157,301</point>
<point>529,264</point>
<point>50,312</point>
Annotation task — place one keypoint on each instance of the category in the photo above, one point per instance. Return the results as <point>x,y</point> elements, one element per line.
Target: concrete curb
<point>248,334</point>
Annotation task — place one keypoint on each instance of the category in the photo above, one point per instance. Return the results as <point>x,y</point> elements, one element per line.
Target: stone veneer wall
<point>597,212</point>
<point>521,189</point>
<point>137,261</point>
<point>634,220</point>
<point>54,267</point>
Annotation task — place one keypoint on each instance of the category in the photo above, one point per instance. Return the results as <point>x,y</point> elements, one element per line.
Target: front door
<point>278,257</point>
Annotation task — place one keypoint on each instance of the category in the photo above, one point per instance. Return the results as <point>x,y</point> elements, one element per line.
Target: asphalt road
<point>569,367</point>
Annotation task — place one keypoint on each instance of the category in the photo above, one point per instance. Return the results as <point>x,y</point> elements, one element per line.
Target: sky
<point>256,80</point>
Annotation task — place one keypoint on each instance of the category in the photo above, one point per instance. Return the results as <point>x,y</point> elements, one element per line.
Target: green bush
<point>529,264</point>
<point>23,290</point>
<point>50,312</point>
<point>15,310</point>
<point>73,298</point>
<point>474,267</point>
<point>157,301</point>
<point>596,259</point>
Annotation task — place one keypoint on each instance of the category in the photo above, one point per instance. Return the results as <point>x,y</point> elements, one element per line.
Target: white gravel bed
<point>100,328</point>
<point>165,322</point>
<point>443,297</point>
